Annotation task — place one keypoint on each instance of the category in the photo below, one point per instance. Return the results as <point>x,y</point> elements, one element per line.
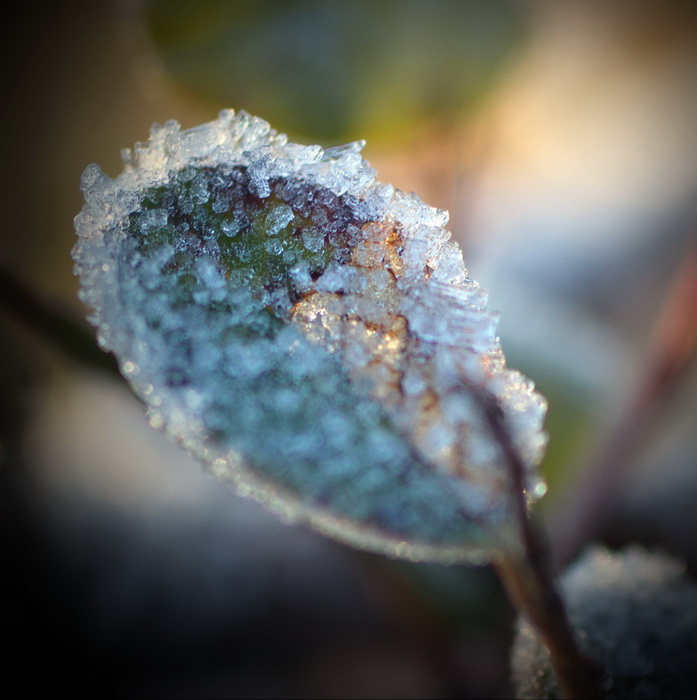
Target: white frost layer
<point>435,334</point>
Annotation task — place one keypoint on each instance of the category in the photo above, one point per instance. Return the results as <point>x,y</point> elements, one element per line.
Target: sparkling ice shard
<point>310,334</point>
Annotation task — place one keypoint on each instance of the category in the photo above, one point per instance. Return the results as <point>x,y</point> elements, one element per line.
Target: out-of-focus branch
<point>528,580</point>
<point>584,509</point>
<point>69,335</point>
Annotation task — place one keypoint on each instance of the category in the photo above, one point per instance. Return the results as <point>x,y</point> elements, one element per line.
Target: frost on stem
<point>310,334</point>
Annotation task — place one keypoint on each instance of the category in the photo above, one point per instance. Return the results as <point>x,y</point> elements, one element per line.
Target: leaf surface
<point>311,335</point>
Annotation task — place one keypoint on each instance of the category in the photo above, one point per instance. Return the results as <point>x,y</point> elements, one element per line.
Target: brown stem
<point>585,508</point>
<point>537,599</point>
<point>527,578</point>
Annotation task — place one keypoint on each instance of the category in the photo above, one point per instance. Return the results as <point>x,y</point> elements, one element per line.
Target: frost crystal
<point>310,334</point>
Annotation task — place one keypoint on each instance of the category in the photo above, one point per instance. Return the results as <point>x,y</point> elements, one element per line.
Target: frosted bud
<point>303,330</point>
<point>635,613</point>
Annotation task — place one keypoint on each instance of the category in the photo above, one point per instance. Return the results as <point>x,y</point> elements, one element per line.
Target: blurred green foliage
<point>334,71</point>
<point>570,424</point>
<point>571,421</point>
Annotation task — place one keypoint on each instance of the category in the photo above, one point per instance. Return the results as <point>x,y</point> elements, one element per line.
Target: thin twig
<point>588,502</point>
<point>69,335</point>
<point>528,581</point>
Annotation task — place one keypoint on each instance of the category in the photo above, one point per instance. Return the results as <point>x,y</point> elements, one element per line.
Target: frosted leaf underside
<point>310,334</point>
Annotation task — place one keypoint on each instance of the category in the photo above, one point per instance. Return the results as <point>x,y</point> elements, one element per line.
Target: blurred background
<point>561,136</point>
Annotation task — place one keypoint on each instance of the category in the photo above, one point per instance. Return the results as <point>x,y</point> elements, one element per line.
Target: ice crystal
<point>310,334</point>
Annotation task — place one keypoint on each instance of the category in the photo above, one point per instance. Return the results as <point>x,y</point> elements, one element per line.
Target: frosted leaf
<point>310,334</point>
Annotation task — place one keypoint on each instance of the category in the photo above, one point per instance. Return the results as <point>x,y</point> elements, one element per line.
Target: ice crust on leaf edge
<point>310,334</point>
